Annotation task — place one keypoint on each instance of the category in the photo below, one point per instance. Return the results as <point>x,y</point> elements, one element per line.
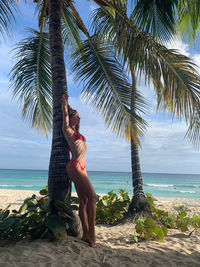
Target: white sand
<point>117,246</point>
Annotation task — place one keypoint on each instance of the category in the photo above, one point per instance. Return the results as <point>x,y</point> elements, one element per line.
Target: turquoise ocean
<point>158,184</point>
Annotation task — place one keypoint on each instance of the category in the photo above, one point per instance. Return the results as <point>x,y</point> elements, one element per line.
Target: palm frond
<point>31,80</point>
<point>176,72</point>
<point>42,11</point>
<point>6,15</point>
<point>107,87</point>
<point>180,90</point>
<point>156,17</point>
<point>189,19</point>
<point>102,22</point>
<point>71,33</point>
<point>175,76</point>
<point>193,132</point>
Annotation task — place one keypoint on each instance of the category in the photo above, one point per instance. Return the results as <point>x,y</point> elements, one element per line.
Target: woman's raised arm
<point>67,131</point>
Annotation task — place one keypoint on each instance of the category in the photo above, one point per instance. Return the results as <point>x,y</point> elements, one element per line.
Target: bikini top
<point>78,136</point>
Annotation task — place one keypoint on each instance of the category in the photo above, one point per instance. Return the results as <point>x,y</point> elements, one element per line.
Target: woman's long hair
<point>71,113</point>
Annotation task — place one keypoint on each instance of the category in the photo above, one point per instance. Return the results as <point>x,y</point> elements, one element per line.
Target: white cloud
<point>196,58</point>
<point>178,44</point>
<point>166,150</point>
<point>184,49</point>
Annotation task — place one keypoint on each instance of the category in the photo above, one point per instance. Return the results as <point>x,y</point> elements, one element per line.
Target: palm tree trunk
<point>59,185</point>
<point>139,202</point>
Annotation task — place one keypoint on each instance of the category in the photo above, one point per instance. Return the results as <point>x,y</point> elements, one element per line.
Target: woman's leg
<point>91,207</point>
<point>84,186</point>
<point>83,212</point>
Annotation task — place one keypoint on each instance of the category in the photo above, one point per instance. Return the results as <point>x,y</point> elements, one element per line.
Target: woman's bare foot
<point>91,242</point>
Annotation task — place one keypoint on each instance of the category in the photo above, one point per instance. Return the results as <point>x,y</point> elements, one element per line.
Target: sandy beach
<point>116,243</point>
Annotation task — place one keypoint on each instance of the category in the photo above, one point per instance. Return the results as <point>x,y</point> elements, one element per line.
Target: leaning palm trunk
<point>139,202</point>
<point>58,182</point>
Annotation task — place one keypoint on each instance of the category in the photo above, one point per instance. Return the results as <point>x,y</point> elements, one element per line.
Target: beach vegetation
<point>148,229</point>
<point>112,207</point>
<point>180,220</point>
<point>34,220</point>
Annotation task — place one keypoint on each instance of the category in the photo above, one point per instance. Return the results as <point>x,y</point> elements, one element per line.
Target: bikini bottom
<point>74,163</point>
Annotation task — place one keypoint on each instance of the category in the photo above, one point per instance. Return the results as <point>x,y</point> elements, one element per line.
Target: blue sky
<point>164,148</point>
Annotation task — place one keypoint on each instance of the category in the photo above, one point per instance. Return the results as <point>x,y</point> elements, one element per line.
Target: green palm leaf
<point>71,33</point>
<point>176,79</point>
<point>161,65</point>
<point>107,87</point>
<point>31,80</point>
<point>174,76</point>
<point>42,11</point>
<point>193,131</point>
<point>102,22</point>
<point>156,17</point>
<point>176,72</point>
<point>189,18</point>
<point>6,15</point>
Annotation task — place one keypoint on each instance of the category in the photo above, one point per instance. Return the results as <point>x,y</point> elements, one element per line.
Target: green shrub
<point>111,207</point>
<point>34,219</point>
<point>148,229</point>
<point>177,221</point>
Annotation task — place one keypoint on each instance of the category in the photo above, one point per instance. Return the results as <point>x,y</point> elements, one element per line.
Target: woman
<point>77,172</point>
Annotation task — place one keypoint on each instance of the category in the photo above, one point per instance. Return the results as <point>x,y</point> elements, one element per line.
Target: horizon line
<point>104,171</point>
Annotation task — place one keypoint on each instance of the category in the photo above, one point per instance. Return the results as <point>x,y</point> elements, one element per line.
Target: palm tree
<point>38,78</point>
<point>31,79</point>
<point>95,63</point>
<point>58,185</point>
<point>154,65</point>
<point>164,20</point>
<point>139,203</point>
